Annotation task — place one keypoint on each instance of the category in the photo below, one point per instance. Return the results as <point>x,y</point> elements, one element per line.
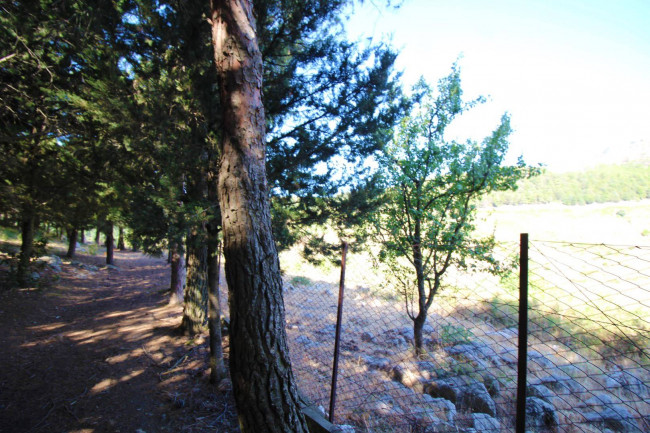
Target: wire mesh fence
<point>588,346</point>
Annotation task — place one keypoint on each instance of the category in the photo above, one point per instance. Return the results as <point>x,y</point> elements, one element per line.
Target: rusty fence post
<point>337,338</point>
<point>522,363</point>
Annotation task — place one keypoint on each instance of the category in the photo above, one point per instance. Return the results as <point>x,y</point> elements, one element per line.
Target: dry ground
<point>98,351</point>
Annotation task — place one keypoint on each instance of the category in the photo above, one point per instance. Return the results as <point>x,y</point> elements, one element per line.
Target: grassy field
<point>626,223</point>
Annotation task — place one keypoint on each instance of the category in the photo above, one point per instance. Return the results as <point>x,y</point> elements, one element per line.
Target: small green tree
<point>425,225</point>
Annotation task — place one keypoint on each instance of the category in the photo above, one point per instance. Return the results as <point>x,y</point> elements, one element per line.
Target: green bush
<point>452,335</point>
<point>8,233</point>
<point>299,280</point>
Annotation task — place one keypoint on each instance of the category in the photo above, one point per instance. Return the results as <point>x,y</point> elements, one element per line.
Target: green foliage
<point>329,104</point>
<point>40,247</point>
<point>425,225</point>
<point>301,281</point>
<point>451,335</point>
<point>601,184</point>
<point>8,233</point>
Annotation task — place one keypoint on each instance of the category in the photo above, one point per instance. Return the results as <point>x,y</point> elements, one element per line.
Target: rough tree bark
<point>109,243</point>
<point>195,308</point>
<point>263,382</point>
<point>120,239</point>
<point>72,242</point>
<point>177,284</point>
<point>217,368</point>
<point>28,218</point>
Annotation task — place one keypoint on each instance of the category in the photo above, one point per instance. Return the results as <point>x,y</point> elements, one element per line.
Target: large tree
<point>432,184</point>
<point>263,382</point>
<point>329,103</point>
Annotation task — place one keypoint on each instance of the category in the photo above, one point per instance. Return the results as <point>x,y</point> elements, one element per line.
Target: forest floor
<point>94,349</point>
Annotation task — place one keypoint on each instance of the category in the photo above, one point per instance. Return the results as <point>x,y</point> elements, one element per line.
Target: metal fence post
<point>337,338</point>
<point>522,363</point>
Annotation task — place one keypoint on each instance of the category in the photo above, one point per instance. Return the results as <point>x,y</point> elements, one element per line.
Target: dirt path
<point>97,351</point>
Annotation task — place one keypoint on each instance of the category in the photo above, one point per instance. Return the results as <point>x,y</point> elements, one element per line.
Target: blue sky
<point>573,74</point>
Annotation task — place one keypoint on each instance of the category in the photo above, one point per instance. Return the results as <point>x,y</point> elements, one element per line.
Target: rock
<point>111,268</point>
<point>540,359</point>
<point>428,329</point>
<point>408,376</point>
<point>368,337</point>
<point>561,383</point>
<point>397,343</point>
<point>443,389</point>
<point>35,276</point>
<point>349,345</point>
<point>442,408</point>
<point>478,352</point>
<point>492,384</point>
<point>541,392</point>
<point>615,417</point>
<point>507,333</point>
<point>540,414</point>
<point>406,332</point>
<point>477,398</point>
<point>426,369</point>
<point>376,363</point>
<point>464,392</point>
<point>600,399</point>
<point>482,350</point>
<point>306,342</point>
<point>84,266</point>
<point>510,357</point>
<point>485,423</point>
<point>629,383</point>
<point>385,406</point>
<point>572,371</point>
<point>329,331</point>
<point>53,262</point>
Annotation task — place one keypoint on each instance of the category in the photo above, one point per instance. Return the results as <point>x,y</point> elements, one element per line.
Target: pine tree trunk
<point>109,243</point>
<point>28,218</point>
<point>97,232</point>
<point>72,242</point>
<point>83,237</point>
<point>217,367</point>
<point>177,285</point>
<point>263,382</point>
<point>195,309</point>
<point>120,240</point>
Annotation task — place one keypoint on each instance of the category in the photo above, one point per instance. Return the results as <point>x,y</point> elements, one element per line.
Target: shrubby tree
<point>425,225</point>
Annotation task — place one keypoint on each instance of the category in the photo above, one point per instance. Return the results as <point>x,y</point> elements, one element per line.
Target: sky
<point>573,74</point>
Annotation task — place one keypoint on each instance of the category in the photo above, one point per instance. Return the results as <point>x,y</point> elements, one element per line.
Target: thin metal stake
<point>337,338</point>
<point>522,363</point>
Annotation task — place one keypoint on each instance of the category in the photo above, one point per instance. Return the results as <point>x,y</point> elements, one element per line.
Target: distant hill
<point>628,181</point>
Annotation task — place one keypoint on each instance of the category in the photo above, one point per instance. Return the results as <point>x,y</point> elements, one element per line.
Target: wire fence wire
<point>588,346</point>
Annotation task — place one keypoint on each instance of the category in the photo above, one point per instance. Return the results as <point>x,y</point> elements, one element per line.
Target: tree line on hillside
<point>199,125</point>
<point>601,184</point>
